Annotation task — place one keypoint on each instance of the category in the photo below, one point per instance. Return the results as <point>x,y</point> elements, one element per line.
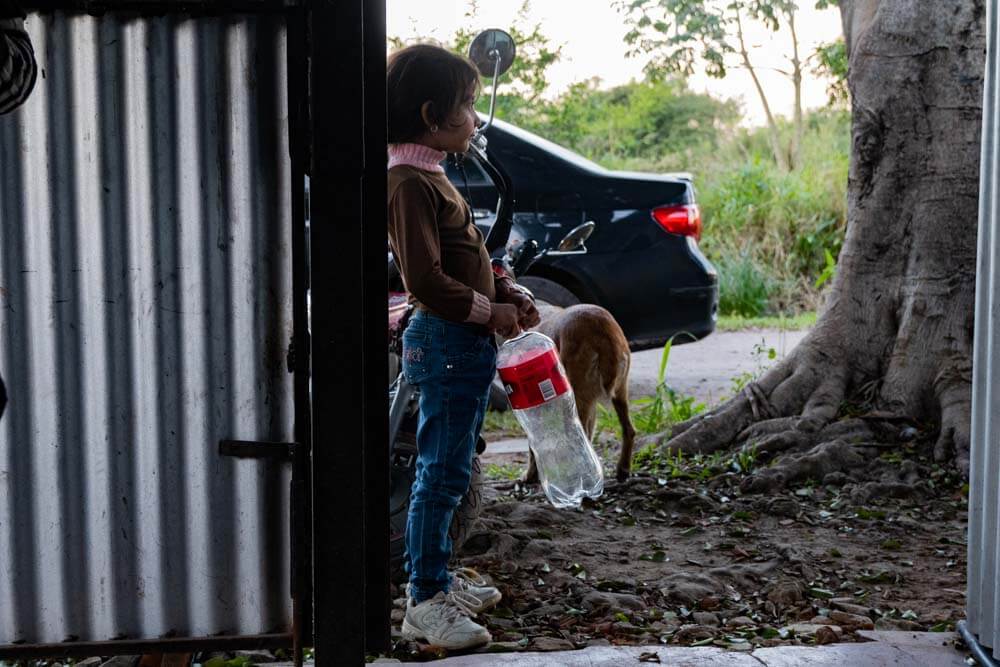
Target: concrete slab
<point>512,446</point>
<point>607,656</point>
<point>920,649</point>
<point>918,646</point>
<point>915,639</point>
<point>872,654</point>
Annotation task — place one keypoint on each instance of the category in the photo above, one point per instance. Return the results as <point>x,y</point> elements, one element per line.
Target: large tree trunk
<point>895,338</point>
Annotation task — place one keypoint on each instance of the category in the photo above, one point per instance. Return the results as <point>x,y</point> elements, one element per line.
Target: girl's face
<point>453,135</point>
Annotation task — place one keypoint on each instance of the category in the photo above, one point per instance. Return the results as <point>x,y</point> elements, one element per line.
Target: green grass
<point>744,285</point>
<point>699,467</point>
<point>503,471</point>
<point>502,425</point>
<point>652,414</point>
<point>781,322</point>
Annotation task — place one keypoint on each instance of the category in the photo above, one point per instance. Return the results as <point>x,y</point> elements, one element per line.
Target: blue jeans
<point>453,364</point>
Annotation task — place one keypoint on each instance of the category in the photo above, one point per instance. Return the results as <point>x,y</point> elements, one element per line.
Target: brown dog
<point>596,356</point>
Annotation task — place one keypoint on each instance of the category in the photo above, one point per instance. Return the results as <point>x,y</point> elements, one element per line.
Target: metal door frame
<point>349,329</point>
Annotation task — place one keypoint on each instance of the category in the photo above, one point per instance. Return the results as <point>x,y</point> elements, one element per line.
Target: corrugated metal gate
<point>154,270</point>
<point>146,314</point>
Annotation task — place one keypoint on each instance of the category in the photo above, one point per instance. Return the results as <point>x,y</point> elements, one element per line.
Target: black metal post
<point>298,361</point>
<point>350,468</point>
<point>376,319</point>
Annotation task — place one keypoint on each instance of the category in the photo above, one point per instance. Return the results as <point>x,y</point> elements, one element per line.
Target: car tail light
<point>684,220</point>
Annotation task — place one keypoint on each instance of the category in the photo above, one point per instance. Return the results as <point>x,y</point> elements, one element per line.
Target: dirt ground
<point>678,555</point>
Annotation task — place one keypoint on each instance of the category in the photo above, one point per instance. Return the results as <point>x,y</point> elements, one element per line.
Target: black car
<point>642,262</point>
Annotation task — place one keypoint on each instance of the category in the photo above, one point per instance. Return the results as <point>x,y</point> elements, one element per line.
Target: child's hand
<point>527,313</point>
<point>503,319</point>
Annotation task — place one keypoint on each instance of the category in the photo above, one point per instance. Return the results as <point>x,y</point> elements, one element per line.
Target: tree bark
<point>856,16</point>
<point>895,336</point>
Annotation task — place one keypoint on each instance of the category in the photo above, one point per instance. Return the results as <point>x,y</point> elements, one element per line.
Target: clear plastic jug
<point>543,402</point>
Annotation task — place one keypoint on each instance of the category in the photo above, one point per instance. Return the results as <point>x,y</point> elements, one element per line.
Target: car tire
<point>549,291</point>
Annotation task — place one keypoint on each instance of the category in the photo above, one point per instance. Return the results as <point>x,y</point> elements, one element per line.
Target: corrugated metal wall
<point>984,501</point>
<point>145,311</point>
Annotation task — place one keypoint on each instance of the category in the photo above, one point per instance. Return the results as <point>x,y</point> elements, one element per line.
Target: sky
<point>591,33</point>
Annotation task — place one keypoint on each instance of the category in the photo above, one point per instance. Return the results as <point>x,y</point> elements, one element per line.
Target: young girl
<point>448,346</point>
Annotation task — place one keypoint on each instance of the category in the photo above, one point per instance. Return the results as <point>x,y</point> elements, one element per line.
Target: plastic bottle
<point>543,402</point>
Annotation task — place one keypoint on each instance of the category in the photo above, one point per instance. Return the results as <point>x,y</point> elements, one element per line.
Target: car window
<point>473,172</point>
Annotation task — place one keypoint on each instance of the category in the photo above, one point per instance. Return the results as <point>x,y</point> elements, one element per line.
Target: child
<point>448,346</point>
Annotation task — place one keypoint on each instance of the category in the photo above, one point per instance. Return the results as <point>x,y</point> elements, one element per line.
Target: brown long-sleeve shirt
<point>439,250</point>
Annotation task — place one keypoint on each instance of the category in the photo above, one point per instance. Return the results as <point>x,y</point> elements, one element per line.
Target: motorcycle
<point>493,52</point>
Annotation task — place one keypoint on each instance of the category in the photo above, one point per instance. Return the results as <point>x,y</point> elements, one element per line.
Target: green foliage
<point>635,121</point>
<point>505,471</point>
<point>828,270</point>
<point>780,322</point>
<point>675,35</point>
<point>831,64</point>
<point>652,414</point>
<point>762,221</point>
<point>744,286</point>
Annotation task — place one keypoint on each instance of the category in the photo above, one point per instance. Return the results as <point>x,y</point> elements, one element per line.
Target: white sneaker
<point>471,590</point>
<point>475,591</point>
<point>443,621</point>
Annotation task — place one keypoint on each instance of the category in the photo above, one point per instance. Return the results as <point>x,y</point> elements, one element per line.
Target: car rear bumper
<point>685,314</point>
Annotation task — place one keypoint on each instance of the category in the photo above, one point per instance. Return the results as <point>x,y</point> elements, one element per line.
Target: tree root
<point>789,418</point>
<point>818,462</point>
<point>760,407</point>
<point>902,481</point>
<point>956,405</point>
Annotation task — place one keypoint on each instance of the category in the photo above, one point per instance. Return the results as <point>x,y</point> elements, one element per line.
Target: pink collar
<point>416,155</point>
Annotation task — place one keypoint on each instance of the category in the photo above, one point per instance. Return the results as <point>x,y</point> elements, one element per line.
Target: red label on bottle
<point>534,380</point>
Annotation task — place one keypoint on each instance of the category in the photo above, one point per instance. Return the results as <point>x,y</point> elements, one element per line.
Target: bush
<point>744,287</point>
<point>781,223</point>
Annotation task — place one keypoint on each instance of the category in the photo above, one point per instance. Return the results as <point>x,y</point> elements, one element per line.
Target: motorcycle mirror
<point>492,52</point>
<point>573,242</point>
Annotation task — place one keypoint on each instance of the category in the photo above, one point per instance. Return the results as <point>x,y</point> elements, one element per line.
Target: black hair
<point>425,73</point>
